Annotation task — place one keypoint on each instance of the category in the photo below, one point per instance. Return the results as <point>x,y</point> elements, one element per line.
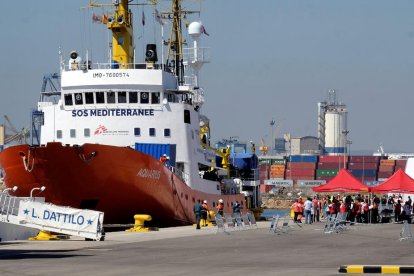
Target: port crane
<point>19,136</point>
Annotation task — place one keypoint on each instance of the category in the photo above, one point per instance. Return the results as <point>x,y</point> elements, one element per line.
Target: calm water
<point>269,213</point>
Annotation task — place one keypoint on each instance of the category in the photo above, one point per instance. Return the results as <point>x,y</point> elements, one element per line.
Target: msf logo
<point>101,129</point>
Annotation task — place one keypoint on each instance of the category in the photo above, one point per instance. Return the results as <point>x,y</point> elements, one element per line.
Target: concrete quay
<point>304,250</point>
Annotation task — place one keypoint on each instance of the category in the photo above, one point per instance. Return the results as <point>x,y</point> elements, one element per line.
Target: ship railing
<point>182,175</point>
<point>108,66</point>
<point>8,205</point>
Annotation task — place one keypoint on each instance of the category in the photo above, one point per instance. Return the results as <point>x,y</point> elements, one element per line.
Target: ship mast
<point>120,24</point>
<point>175,42</point>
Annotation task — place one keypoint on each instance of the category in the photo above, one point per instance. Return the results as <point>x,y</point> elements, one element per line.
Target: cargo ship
<point>128,138</point>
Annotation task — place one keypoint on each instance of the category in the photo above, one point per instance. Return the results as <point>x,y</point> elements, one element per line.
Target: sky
<point>270,59</point>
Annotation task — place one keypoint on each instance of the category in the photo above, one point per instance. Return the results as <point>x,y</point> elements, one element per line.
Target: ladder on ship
<point>30,213</point>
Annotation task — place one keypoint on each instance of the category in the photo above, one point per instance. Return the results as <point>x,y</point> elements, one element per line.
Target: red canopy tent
<point>399,182</point>
<point>344,182</point>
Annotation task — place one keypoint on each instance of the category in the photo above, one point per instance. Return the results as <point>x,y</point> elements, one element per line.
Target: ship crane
<point>19,136</point>
<point>263,148</point>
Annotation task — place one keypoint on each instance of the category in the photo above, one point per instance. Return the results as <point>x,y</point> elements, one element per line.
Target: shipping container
<point>277,174</point>
<point>277,167</point>
<point>326,178</point>
<point>157,150</point>
<point>300,177</point>
<point>366,178</point>
<point>264,161</point>
<point>385,168</point>
<point>362,166</point>
<point>303,158</point>
<point>278,161</point>
<point>301,165</point>
<point>384,174</point>
<point>401,162</point>
<point>387,162</point>
<point>331,172</point>
<point>368,173</point>
<point>331,166</point>
<point>364,159</point>
<point>333,158</point>
<point>295,172</point>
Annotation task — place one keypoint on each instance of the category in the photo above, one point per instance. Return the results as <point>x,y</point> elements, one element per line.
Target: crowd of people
<point>201,211</point>
<point>359,208</point>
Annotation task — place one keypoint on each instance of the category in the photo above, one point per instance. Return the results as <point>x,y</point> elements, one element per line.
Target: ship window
<point>137,131</point>
<point>73,133</point>
<point>87,132</point>
<point>78,98</point>
<point>144,98</point>
<point>167,132</point>
<point>89,98</point>
<point>100,97</point>
<point>155,98</point>
<point>133,97</point>
<point>110,97</point>
<point>187,118</point>
<point>122,97</point>
<point>68,99</point>
<point>59,134</point>
<point>152,132</point>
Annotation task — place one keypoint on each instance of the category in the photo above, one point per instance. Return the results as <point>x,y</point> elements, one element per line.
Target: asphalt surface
<point>304,250</point>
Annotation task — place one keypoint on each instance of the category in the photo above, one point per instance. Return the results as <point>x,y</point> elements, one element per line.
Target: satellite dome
<point>195,29</point>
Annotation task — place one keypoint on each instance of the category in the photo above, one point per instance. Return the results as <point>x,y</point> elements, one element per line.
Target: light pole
<point>345,134</point>
<point>272,123</point>
<point>37,188</point>
<point>10,189</point>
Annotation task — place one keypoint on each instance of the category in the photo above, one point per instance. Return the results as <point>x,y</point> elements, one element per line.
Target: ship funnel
<point>151,53</point>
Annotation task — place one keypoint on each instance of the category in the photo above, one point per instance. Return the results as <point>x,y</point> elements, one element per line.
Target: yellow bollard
<point>139,223</point>
<point>44,236</point>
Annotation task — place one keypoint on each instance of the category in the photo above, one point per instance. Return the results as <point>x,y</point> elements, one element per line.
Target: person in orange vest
<point>295,207</point>
<point>164,158</point>
<point>220,207</point>
<point>204,212</point>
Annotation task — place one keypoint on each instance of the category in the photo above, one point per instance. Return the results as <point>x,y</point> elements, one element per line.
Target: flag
<point>96,19</point>
<point>204,31</point>
<point>143,18</point>
<point>158,17</point>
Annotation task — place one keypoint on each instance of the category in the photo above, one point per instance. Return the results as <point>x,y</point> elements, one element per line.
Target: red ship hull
<point>118,181</point>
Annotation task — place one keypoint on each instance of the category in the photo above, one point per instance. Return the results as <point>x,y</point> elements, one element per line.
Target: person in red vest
<point>316,209</point>
<point>204,212</point>
<point>220,207</point>
<point>296,210</point>
<point>164,158</point>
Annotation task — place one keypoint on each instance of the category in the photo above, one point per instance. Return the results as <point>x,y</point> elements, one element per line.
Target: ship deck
<point>305,250</point>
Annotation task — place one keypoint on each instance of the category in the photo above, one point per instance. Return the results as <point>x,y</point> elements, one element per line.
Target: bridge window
<point>144,98</point>
<point>87,132</point>
<point>167,132</point>
<point>89,98</point>
<point>155,98</point>
<point>110,97</point>
<point>73,133</point>
<point>78,99</point>
<point>122,97</point>
<point>59,134</point>
<point>68,99</point>
<point>187,118</point>
<point>133,97</point>
<point>100,97</point>
<point>152,132</point>
<point>137,131</point>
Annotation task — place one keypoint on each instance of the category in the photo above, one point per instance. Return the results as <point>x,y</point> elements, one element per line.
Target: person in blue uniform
<point>197,213</point>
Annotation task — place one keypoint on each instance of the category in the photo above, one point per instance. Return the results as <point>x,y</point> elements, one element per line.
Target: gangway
<point>44,216</point>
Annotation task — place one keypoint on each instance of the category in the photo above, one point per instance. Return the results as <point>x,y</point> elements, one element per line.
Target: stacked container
<point>386,169</point>
<point>270,168</point>
<point>364,168</point>
<point>329,166</point>
<point>301,167</point>
<point>400,164</point>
